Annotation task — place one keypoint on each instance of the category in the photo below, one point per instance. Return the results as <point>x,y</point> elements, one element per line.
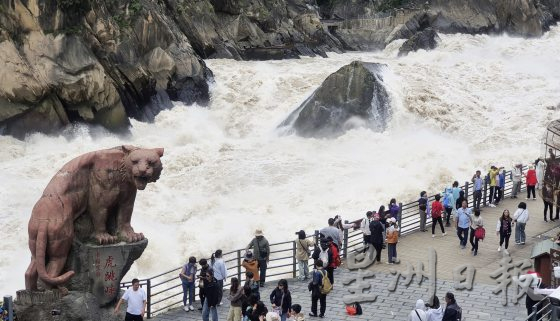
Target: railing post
<point>294,259</point>
<point>400,217</point>
<point>345,240</point>
<point>484,193</point>
<point>467,193</point>
<point>317,237</point>
<point>149,299</point>
<point>239,265</point>
<point>554,313</point>
<point>535,312</point>
<point>9,306</point>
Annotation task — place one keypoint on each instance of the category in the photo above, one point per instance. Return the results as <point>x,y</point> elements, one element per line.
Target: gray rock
<point>351,97</point>
<point>426,39</point>
<point>75,306</point>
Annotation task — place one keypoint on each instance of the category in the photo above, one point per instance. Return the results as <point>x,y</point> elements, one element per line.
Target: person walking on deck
<point>503,230</point>
<point>516,174</point>
<point>520,217</point>
<point>462,224</point>
<point>476,222</point>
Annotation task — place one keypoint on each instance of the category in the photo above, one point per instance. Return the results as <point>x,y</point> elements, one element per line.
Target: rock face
<point>426,39</point>
<point>94,62</point>
<point>367,29</point>
<point>75,306</point>
<point>354,96</point>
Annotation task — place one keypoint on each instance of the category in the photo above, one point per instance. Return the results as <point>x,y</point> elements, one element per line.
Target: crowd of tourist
<point>380,230</point>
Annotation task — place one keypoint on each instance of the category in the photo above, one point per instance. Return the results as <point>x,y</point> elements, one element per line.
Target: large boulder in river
<point>353,96</point>
<point>426,39</point>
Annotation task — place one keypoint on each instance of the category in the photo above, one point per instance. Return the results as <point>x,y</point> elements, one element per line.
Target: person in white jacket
<point>419,313</point>
<point>435,311</point>
<point>540,173</point>
<point>520,217</point>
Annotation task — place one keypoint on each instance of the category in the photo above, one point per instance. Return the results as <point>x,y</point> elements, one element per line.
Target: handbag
<point>480,233</point>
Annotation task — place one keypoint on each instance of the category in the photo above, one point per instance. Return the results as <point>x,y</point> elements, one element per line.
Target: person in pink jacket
<point>531,178</point>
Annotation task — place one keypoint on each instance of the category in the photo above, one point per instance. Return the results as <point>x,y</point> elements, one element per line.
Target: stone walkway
<point>479,303</point>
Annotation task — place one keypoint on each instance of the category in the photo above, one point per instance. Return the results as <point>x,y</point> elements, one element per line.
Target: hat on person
<point>258,232</point>
<point>272,316</point>
<point>249,255</point>
<point>393,220</point>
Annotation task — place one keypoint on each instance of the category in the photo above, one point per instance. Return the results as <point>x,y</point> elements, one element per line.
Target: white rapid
<point>472,102</point>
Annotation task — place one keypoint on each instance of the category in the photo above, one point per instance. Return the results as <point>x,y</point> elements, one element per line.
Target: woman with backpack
<point>392,240</point>
<point>281,299</point>
<point>476,223</point>
<point>503,229</point>
<point>317,288</point>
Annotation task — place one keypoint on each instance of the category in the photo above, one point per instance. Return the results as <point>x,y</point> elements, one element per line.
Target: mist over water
<point>473,101</point>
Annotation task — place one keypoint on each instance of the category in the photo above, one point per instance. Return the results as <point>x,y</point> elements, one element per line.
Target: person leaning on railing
<point>261,250</point>
<point>303,252</point>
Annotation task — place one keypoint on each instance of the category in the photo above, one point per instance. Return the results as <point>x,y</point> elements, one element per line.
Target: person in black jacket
<point>324,254</point>
<point>281,299</point>
<point>202,277</point>
<point>212,292</point>
<point>452,311</point>
<point>376,230</point>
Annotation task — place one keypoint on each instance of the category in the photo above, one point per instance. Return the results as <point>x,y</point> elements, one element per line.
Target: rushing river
<point>472,102</point>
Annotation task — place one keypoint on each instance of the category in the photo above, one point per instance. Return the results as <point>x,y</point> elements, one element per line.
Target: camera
<point>55,312</point>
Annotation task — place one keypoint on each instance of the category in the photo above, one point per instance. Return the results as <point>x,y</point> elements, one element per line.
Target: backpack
<point>326,285</point>
<point>480,233</point>
<point>446,199</point>
<point>335,256</point>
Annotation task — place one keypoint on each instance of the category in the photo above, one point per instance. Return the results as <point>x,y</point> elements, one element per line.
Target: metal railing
<point>164,291</point>
<point>543,310</point>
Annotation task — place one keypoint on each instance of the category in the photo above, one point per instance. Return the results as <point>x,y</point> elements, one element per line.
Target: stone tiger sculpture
<point>100,184</point>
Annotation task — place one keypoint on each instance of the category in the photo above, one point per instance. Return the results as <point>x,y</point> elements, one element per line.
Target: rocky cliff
<point>101,62</point>
<point>367,29</point>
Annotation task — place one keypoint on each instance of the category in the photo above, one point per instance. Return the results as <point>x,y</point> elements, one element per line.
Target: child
<point>392,240</point>
<point>251,265</point>
<point>252,284</point>
<point>295,313</point>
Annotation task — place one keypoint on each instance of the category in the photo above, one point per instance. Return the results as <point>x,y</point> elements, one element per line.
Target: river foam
<point>473,101</point>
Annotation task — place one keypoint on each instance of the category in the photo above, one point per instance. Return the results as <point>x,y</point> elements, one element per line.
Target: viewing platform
<point>479,303</point>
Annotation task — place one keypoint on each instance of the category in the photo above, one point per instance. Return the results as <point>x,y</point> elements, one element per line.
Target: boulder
<point>353,96</point>
<point>426,39</point>
<point>53,305</point>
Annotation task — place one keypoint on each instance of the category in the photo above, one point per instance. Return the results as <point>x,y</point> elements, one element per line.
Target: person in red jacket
<point>437,210</point>
<point>531,178</point>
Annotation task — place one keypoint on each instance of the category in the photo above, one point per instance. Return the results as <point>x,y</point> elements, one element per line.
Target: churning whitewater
<point>472,102</point>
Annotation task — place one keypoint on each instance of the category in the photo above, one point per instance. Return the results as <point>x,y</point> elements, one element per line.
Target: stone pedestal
<point>92,291</point>
<point>51,306</point>
<point>100,268</point>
